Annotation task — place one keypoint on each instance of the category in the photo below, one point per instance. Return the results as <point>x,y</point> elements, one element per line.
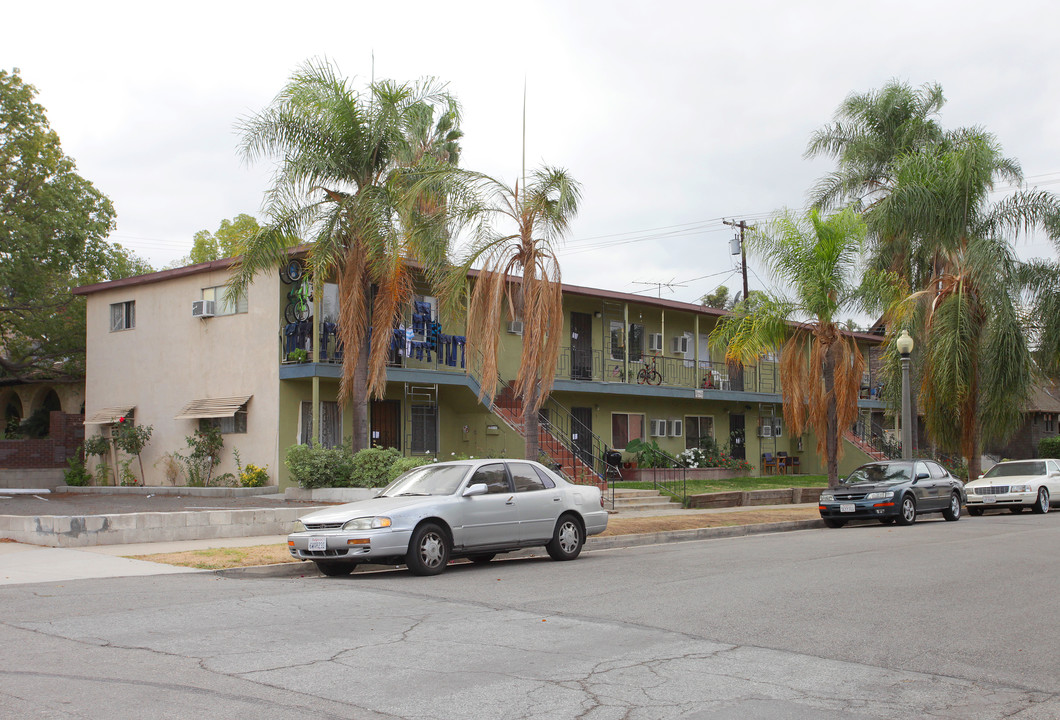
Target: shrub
<point>254,476</point>
<point>198,465</point>
<point>707,457</point>
<point>76,474</point>
<point>313,466</point>
<point>371,466</point>
<point>1049,447</point>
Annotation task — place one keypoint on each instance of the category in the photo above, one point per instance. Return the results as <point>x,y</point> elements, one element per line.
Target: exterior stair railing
<point>873,441</point>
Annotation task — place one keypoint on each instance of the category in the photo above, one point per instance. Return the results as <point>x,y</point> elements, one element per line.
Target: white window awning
<point>109,415</point>
<point>213,408</point>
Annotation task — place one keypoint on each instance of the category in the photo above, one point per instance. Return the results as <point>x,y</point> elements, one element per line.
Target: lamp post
<point>905,346</point>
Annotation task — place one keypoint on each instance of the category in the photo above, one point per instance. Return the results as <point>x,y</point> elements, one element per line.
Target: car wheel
<point>567,539</point>
<point>481,559</point>
<point>335,569</point>
<point>833,523</point>
<point>1016,509</point>
<point>886,521</point>
<point>953,510</point>
<point>975,512</point>
<point>1042,505</point>
<point>428,550</point>
<point>907,516</point>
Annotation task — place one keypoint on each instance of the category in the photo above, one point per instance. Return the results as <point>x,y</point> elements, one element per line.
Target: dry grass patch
<point>221,558</point>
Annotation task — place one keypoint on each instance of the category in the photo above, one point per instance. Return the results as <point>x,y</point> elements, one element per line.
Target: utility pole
<point>743,250</point>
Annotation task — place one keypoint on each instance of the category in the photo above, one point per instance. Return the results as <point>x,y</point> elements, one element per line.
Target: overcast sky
<point>673,115</point>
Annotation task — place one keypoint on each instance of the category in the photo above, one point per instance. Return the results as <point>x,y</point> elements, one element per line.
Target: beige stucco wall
<point>171,358</point>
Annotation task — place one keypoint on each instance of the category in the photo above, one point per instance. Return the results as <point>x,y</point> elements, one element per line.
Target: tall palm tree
<point>976,369</point>
<point>351,182</point>
<point>821,368</point>
<point>519,277</point>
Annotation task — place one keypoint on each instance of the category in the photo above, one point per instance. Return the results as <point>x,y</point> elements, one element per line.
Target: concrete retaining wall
<point>88,530</point>
<point>783,496</point>
<point>40,479</point>
<point>182,491</point>
<point>329,495</point>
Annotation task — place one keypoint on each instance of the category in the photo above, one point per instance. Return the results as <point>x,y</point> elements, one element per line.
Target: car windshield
<point>880,473</point>
<point>427,480</point>
<point>1016,468</point>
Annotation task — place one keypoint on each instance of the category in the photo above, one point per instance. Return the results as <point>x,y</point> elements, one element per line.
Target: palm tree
<point>351,181</point>
<point>976,368</point>
<point>519,277</point>
<point>821,368</point>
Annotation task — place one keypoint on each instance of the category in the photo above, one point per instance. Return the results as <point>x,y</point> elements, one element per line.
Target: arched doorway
<point>12,414</point>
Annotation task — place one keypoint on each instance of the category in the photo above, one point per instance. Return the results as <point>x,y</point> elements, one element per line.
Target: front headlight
<point>1020,488</point>
<point>827,497</point>
<point>298,526</point>
<point>367,523</point>
<point>880,495</point>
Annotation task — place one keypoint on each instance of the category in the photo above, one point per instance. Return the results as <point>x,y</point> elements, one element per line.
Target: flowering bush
<point>254,476</point>
<point>711,458</point>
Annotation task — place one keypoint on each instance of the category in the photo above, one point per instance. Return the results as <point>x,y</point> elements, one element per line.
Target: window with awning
<point>227,414</point>
<point>110,415</point>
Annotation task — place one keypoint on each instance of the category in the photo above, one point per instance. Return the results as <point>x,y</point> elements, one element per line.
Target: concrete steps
<point>629,499</point>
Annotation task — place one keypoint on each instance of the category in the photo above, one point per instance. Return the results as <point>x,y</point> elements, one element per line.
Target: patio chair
<point>768,463</point>
<point>782,462</point>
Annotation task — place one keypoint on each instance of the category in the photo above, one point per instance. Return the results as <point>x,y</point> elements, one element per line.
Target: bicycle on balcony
<point>649,374</point>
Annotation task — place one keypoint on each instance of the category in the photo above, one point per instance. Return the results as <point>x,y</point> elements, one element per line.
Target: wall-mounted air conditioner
<point>655,342</point>
<point>515,327</point>
<point>677,428</point>
<point>658,427</point>
<point>765,431</point>
<point>202,308</point>
<point>679,344</point>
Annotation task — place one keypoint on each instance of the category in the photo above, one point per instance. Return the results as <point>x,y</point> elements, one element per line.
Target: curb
<point>611,542</point>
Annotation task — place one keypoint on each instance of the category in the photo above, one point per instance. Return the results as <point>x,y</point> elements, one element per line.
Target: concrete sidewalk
<point>21,563</point>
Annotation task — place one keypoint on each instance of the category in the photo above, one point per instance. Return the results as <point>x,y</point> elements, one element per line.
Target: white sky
<point>673,115</point>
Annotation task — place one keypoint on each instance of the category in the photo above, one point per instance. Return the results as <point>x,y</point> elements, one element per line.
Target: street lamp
<point>905,346</point>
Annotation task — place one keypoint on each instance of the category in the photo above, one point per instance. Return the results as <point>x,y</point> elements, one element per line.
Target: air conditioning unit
<point>679,344</point>
<point>515,327</point>
<point>765,431</point>
<point>655,342</point>
<point>677,428</point>
<point>202,308</point>
<point>658,427</point>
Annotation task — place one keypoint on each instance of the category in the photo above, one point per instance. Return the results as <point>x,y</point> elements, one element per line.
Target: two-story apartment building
<point>168,351</point>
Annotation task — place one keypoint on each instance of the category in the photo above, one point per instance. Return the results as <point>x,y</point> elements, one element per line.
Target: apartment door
<point>386,424</point>
<point>581,346</point>
<point>581,431</point>
<point>737,437</point>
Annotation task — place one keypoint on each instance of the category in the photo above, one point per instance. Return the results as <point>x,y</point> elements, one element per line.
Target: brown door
<point>581,346</point>
<point>386,424</point>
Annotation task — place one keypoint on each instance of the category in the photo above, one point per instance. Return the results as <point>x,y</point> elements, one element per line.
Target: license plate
<point>318,543</point>
<point>846,507</point>
<point>989,498</point>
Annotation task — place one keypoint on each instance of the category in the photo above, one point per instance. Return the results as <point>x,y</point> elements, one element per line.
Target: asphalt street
<point>942,620</point>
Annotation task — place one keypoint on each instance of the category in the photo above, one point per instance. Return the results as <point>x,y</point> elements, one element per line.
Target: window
<point>424,439</point>
<point>626,427</point>
<point>698,428</point>
<point>494,476</point>
<point>1050,422</point>
<point>330,424</point>
<point>237,424</point>
<point>123,316</point>
<point>222,306</point>
<point>525,477</point>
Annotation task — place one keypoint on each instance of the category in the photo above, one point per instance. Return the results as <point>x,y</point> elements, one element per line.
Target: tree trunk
<point>359,402</point>
<point>832,433</point>
<point>531,425</point>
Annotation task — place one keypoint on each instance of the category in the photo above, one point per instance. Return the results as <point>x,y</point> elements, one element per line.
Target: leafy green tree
<point>228,241</point>
<point>718,299</point>
<point>976,364</point>
<point>820,367</point>
<point>53,229</point>
<point>354,180</point>
<point>519,277</point>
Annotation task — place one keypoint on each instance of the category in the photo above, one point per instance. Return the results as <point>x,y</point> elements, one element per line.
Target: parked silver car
<point>467,508</point>
<point>1016,484</point>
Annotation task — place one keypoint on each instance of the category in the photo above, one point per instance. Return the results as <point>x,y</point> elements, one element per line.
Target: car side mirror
<point>476,489</point>
<point>922,476</point>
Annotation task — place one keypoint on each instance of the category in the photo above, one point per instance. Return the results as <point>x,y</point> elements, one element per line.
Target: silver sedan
<point>467,508</point>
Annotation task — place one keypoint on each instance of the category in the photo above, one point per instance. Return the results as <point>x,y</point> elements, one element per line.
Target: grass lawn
<point>768,482</point>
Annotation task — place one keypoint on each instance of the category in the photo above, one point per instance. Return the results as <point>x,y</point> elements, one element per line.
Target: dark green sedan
<point>893,491</point>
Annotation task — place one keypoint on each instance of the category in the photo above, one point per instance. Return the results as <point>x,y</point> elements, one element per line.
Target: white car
<point>1015,484</point>
<point>467,508</point>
